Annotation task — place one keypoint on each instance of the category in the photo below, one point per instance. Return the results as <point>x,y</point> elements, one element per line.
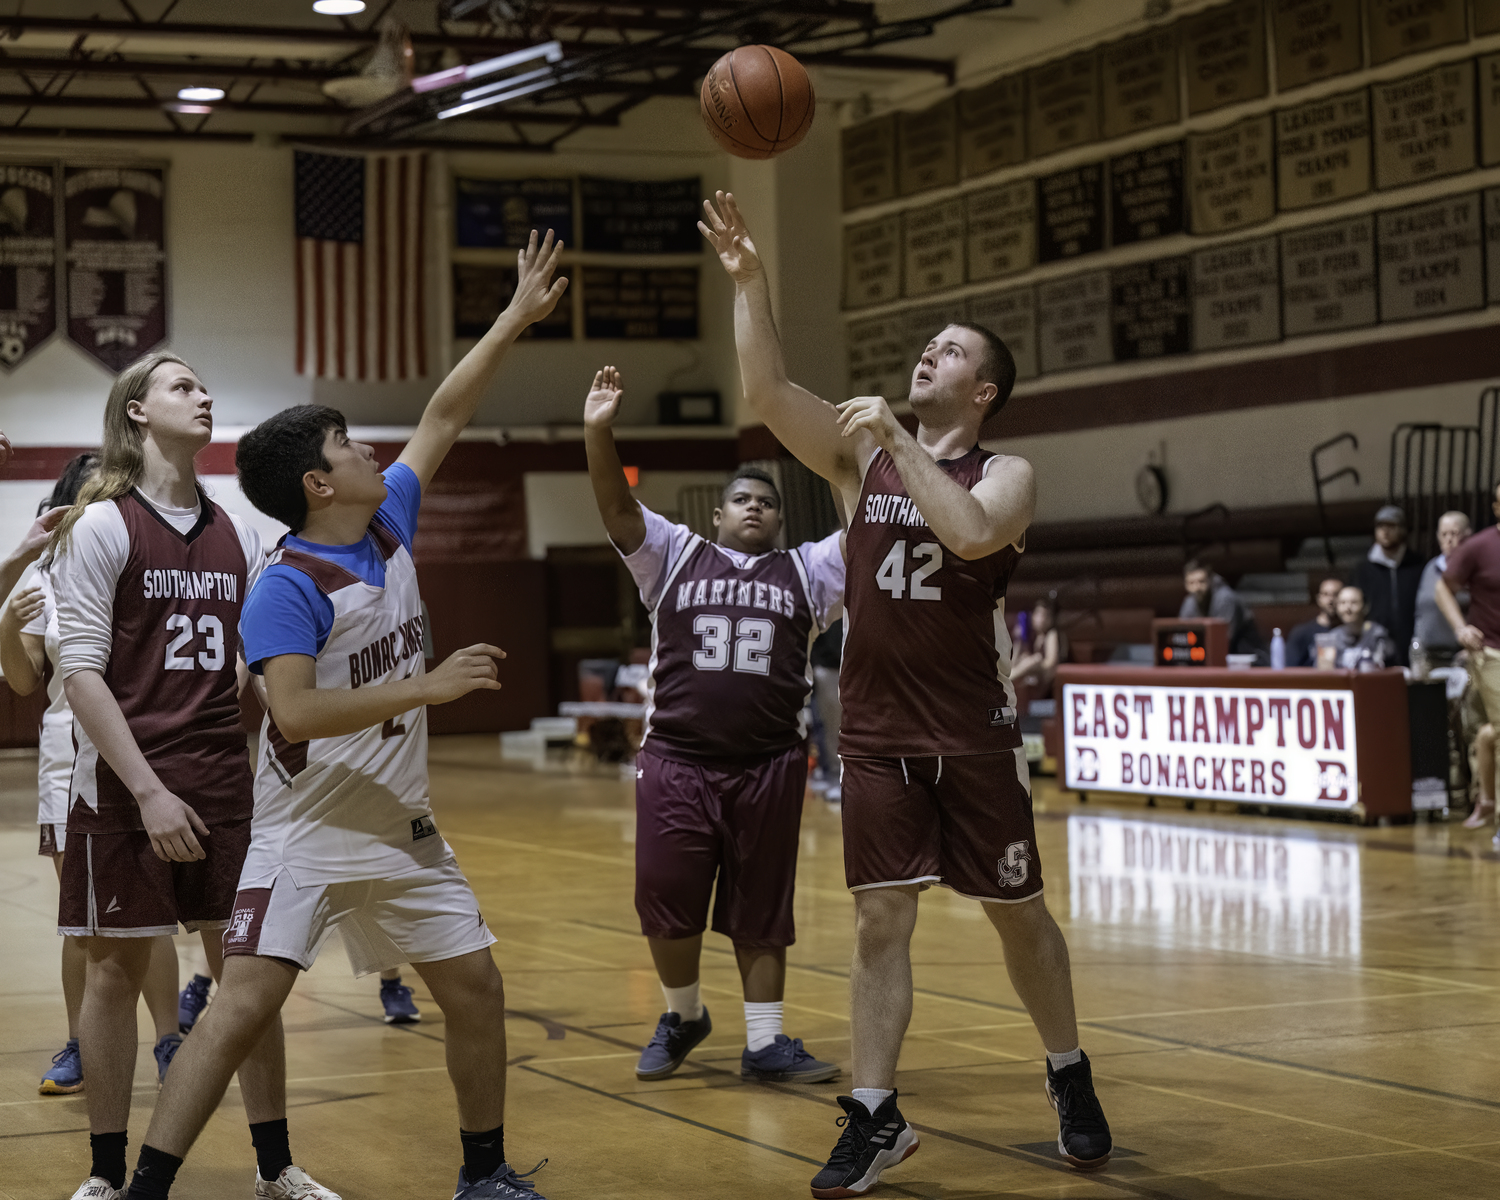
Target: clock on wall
<point>1151,489</point>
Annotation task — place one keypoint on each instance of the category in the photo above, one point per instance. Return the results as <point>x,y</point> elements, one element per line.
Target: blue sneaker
<point>784,1061</point>
<point>66,1075</point>
<point>399,1008</point>
<point>673,1040</point>
<point>191,1002</point>
<point>504,1184</point>
<point>166,1051</point>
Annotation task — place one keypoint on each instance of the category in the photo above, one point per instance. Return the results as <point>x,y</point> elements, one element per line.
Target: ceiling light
<point>200,93</point>
<point>551,51</point>
<point>338,8</point>
<point>511,93</point>
<point>177,106</point>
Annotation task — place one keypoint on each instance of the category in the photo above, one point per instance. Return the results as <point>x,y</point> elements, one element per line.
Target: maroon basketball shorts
<point>738,823</point>
<point>963,821</point>
<point>113,885</point>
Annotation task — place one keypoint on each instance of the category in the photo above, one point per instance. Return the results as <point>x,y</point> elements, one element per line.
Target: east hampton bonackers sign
<point>1254,745</point>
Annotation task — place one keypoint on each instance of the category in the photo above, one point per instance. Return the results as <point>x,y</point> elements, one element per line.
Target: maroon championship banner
<point>115,243</point>
<point>28,259</point>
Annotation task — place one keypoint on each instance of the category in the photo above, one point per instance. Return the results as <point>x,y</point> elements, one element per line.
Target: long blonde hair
<point>122,456</point>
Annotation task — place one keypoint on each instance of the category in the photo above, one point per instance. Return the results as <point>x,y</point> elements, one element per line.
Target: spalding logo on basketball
<point>757,101</point>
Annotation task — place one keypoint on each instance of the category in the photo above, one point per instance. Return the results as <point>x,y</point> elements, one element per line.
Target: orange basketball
<point>757,101</point>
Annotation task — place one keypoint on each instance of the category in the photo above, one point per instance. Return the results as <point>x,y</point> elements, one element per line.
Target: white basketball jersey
<point>353,807</point>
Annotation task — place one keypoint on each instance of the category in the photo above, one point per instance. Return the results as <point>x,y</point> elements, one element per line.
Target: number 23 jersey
<point>150,597</point>
<point>926,651</point>
<point>730,634</point>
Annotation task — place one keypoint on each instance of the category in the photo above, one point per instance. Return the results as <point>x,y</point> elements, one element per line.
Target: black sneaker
<point>1082,1132</point>
<point>672,1042</point>
<point>868,1145</point>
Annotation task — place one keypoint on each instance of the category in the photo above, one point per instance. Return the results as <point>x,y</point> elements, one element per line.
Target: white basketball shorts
<point>425,916</point>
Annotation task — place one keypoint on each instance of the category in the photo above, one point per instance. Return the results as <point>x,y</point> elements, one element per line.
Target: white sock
<point>1066,1059</point>
<point>684,1001</point>
<point>873,1098</point>
<point>762,1024</point>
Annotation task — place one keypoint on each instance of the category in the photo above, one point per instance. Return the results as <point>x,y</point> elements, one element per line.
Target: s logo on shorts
<point>1015,867</point>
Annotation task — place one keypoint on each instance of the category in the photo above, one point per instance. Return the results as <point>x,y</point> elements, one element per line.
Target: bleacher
<point>1111,578</point>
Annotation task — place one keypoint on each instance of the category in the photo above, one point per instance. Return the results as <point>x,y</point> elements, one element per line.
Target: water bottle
<point>1278,650</point>
<point>1418,659</point>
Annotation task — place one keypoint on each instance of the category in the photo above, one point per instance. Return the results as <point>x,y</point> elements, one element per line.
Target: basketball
<point>757,101</point>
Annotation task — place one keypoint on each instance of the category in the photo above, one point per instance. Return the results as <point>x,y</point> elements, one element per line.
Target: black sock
<point>154,1172</point>
<point>273,1152</point>
<point>109,1157</point>
<point>483,1152</point>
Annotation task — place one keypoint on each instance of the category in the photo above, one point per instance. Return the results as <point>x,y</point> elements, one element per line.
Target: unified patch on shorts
<point>1003,716</point>
<point>422,827</point>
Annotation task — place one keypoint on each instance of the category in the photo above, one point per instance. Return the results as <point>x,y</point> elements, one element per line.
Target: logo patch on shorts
<point>239,925</point>
<point>422,827</point>
<point>1015,867</point>
<point>1003,716</point>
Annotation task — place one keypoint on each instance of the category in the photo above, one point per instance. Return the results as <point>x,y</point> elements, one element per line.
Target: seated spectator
<point>1389,577</point>
<point>1301,645</point>
<point>1209,596</point>
<point>1363,644</point>
<point>1045,646</point>
<point>1433,634</point>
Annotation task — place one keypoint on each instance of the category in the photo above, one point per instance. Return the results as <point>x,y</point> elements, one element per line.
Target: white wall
<point>232,297</point>
<point>1251,458</point>
<point>560,508</point>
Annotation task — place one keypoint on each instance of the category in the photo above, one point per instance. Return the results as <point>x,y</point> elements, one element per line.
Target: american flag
<point>360,265</point>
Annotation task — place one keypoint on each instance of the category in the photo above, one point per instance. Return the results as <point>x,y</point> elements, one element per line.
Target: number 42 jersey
<point>730,633</point>
<point>926,650</point>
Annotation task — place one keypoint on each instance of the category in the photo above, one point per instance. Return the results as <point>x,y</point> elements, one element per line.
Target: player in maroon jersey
<point>935,781</point>
<point>150,576</point>
<point>722,766</point>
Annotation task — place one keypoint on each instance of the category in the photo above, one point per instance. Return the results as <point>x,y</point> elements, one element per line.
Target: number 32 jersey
<point>730,634</point>
<point>150,597</point>
<point>926,651</point>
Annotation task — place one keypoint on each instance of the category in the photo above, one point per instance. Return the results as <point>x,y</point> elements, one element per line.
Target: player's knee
<point>884,917</point>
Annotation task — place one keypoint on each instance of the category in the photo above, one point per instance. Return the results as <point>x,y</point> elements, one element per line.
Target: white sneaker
<point>96,1188</point>
<point>292,1184</point>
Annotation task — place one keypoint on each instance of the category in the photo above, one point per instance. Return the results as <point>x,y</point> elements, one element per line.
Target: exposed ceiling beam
<point>185,135</point>
<point>27,100</point>
<point>557,16</point>
<point>202,69</point>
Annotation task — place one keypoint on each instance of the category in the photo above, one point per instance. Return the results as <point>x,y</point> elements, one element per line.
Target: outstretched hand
<point>39,533</point>
<point>603,401</point>
<point>730,237</point>
<point>537,293</point>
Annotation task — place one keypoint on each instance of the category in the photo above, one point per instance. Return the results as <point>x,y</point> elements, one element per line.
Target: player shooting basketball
<point>936,788</point>
<point>722,767</point>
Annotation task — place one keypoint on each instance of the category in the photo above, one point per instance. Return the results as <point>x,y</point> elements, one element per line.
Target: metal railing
<point>1438,472</point>
<point>1320,481</point>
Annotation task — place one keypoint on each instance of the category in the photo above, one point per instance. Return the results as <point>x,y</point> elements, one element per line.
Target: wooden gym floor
<point>1273,1008</point>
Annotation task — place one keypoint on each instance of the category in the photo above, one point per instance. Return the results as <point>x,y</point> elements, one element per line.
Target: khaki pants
<point>1484,670</point>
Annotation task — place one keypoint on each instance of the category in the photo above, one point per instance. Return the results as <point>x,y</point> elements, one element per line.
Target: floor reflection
<point>1216,888</point>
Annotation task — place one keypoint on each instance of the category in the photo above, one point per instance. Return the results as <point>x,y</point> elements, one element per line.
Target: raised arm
<point>972,523</point>
<point>452,405</point>
<point>617,507</point>
<point>803,423</point>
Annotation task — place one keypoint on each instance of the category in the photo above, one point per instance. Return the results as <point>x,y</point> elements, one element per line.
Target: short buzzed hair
<point>998,366</point>
<point>750,473</point>
<point>1459,514</point>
